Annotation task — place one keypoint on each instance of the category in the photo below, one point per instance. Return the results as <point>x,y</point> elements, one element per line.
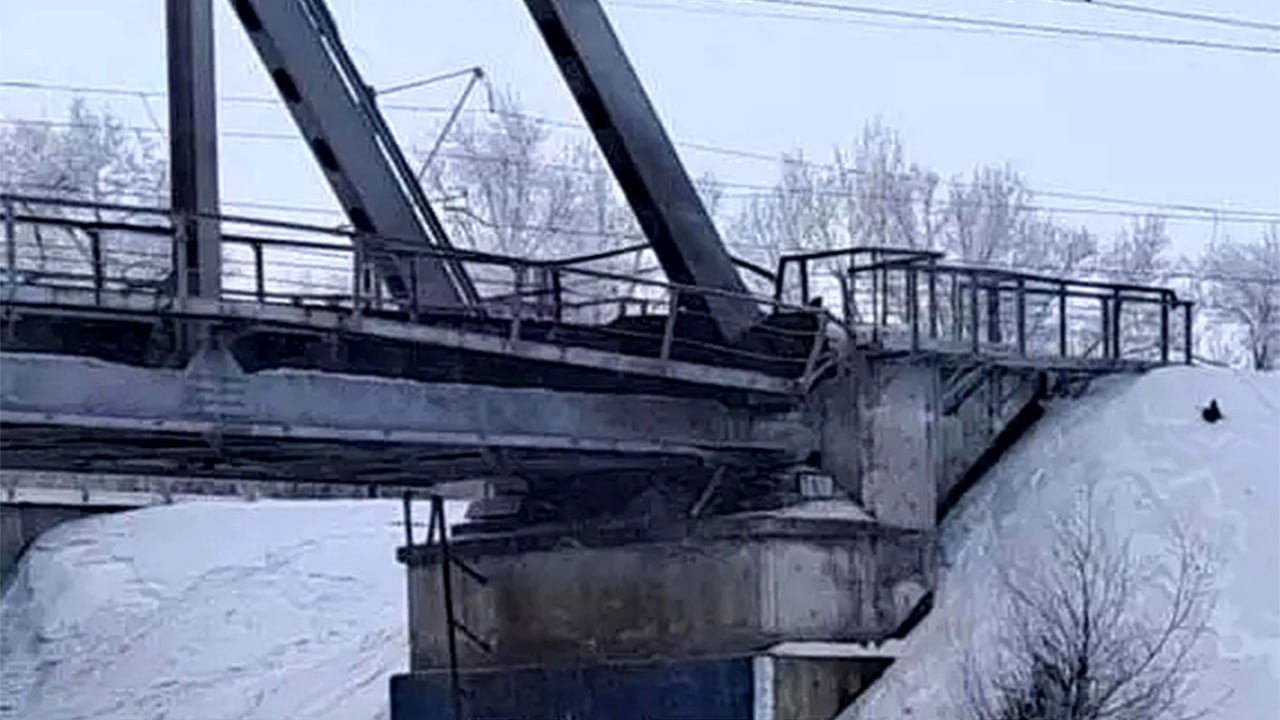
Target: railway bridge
<point>712,495</point>
<point>594,408</point>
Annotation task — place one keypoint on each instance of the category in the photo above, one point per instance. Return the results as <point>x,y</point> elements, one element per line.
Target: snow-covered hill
<point>1153,459</point>
<point>210,610</point>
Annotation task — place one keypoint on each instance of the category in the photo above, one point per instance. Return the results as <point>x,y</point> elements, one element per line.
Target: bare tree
<point>1243,284</point>
<point>512,198</point>
<point>1138,253</point>
<point>92,157</point>
<point>888,201</point>
<point>1094,633</point>
<point>801,213</point>
<point>987,216</point>
<point>524,195</point>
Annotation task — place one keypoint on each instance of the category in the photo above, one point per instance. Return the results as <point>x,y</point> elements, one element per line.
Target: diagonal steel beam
<point>335,112</point>
<point>642,157</point>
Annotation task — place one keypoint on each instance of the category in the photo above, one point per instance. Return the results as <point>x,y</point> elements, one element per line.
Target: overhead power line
<point>744,245</point>
<point>1203,213</point>
<point>683,6</point>
<point>699,146</point>
<point>710,148</point>
<point>1178,14</point>
<point>966,21</point>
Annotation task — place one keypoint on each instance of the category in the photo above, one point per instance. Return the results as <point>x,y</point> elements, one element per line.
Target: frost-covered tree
<point>92,157</point>
<point>1138,253</point>
<point>888,200</point>
<point>1243,285</point>
<point>987,216</point>
<point>522,194</point>
<point>802,212</point>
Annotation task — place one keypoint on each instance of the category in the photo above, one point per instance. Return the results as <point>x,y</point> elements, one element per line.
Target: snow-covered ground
<point>210,610</point>
<point>1153,460</point>
<point>296,609</point>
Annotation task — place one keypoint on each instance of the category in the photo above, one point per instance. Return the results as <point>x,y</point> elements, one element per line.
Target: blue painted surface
<point>685,690</point>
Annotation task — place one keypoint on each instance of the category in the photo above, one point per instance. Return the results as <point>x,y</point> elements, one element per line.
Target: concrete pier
<point>733,584</point>
<point>628,621</point>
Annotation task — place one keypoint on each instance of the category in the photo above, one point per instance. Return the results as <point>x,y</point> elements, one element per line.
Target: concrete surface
<point>717,586</point>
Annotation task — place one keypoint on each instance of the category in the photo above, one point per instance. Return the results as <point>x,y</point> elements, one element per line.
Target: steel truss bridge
<point>561,368</point>
<point>184,341</point>
<point>592,403</point>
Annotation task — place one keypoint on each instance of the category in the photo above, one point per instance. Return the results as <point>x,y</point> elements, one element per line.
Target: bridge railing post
<point>973,311</point>
<point>413,287</point>
<point>557,294</point>
<point>1164,329</point>
<point>1021,316</point>
<point>95,254</point>
<point>1106,327</point>
<point>913,306</point>
<point>851,310</point>
<point>994,336</point>
<point>10,242</point>
<point>357,279</point>
<point>1116,309</point>
<point>1062,319</point>
<point>804,282</point>
<point>669,328</point>
<point>1186,323</point>
<point>885,293</point>
<point>259,271</point>
<point>933,298</point>
<point>875,300</point>
<point>517,303</point>
<point>957,308</point>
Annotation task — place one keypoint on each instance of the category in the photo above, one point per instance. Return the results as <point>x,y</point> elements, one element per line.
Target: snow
<point>1154,462</point>
<point>210,610</point>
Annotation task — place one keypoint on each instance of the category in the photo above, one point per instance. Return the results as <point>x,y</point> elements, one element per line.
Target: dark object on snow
<point>1211,414</point>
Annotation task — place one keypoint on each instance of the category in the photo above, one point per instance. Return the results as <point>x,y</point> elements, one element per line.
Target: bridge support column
<point>879,438</point>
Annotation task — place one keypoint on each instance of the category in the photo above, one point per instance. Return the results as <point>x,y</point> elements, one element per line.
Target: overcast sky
<point>1167,124</point>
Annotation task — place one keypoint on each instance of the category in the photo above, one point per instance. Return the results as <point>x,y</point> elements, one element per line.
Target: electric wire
<point>1177,14</point>
<point>964,20</point>
<point>1191,212</point>
<point>698,146</point>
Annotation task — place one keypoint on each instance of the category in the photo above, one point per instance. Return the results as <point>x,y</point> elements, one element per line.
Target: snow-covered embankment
<point>210,610</point>
<point>1154,462</point>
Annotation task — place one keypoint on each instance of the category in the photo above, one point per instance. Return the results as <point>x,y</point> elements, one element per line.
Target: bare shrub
<point>1096,632</point>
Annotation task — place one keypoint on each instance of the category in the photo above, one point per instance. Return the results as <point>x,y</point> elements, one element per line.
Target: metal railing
<point>916,300</point>
<point>889,297</point>
<point>110,250</point>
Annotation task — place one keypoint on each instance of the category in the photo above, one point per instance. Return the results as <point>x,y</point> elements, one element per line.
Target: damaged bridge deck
<point>564,367</point>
